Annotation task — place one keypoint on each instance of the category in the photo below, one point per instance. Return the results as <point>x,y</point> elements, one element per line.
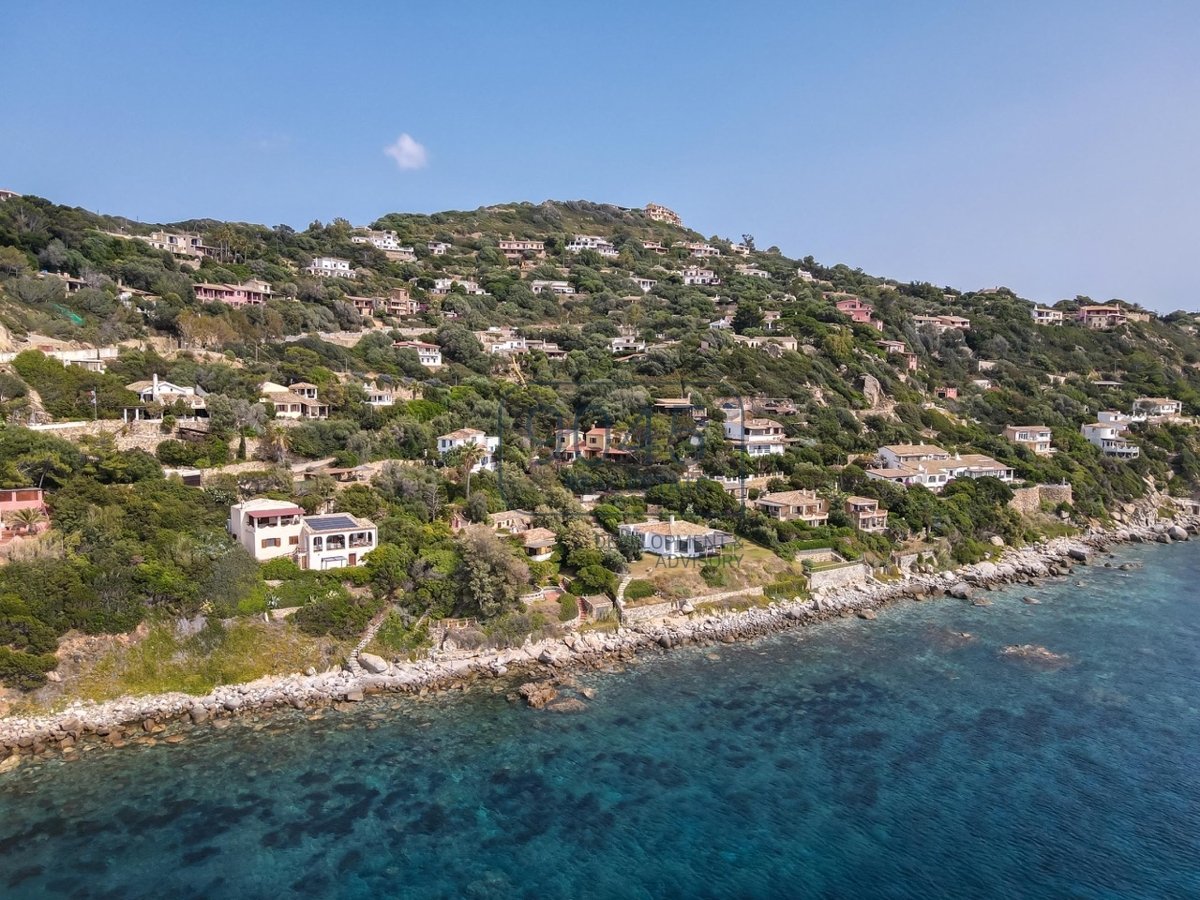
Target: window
<point>294,540</point>
<point>270,542</point>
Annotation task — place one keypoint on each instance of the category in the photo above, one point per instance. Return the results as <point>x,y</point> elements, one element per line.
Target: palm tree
<point>28,519</point>
<point>471,455</point>
<point>274,445</point>
<point>464,458</point>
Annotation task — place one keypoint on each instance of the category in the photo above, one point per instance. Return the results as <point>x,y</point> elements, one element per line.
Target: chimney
<point>154,393</point>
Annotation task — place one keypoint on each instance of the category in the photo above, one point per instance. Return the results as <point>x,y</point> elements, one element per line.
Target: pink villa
<point>250,293</point>
<point>859,311</point>
<point>13,499</point>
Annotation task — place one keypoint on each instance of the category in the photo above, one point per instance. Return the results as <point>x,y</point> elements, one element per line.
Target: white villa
<point>679,539</point>
<point>157,390</point>
<point>626,345</point>
<point>430,355</point>
<point>266,528</point>
<point>1045,316</point>
<point>1107,437</point>
<point>752,271</point>
<point>1156,408</point>
<point>695,275</point>
<point>387,242</point>
<point>464,436</point>
<point>932,467</point>
<point>443,286</point>
<point>379,394</point>
<point>698,250</point>
<point>330,267</point>
<point>335,541</point>
<point>582,242</point>
<point>758,437</point>
<point>561,288</point>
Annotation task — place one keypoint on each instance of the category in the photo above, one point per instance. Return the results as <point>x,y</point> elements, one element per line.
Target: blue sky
<point>1048,146</point>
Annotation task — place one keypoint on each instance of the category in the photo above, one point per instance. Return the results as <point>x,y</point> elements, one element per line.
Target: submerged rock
<point>537,695</point>
<point>1035,653</point>
<point>568,705</point>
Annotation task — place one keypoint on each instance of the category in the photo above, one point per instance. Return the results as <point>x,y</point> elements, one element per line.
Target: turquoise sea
<point>894,758</point>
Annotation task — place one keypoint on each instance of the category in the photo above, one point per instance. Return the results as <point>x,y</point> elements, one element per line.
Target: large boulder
<point>960,590</point>
<point>537,695</point>
<point>872,390</point>
<point>376,665</point>
<point>1079,554</point>
<point>1177,533</point>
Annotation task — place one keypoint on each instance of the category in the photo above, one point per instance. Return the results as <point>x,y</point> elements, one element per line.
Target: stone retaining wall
<point>1028,500</point>
<point>842,576</point>
<point>633,614</point>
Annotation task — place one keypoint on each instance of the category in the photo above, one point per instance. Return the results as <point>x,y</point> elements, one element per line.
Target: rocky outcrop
<point>118,722</point>
<point>376,665</point>
<point>536,694</point>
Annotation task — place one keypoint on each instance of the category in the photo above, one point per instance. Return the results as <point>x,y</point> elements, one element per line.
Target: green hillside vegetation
<point>128,545</point>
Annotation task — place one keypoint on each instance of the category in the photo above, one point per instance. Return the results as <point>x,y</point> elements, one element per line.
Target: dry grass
<point>242,651</point>
<point>748,566</point>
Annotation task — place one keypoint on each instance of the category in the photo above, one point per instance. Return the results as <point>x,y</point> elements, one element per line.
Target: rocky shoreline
<point>117,722</point>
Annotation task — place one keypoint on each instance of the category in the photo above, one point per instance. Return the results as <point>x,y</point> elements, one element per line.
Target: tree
<point>489,578</point>
<point>42,465</point>
<point>13,261</point>
<point>465,459</point>
<point>388,566</point>
<point>274,446</point>
<point>28,519</point>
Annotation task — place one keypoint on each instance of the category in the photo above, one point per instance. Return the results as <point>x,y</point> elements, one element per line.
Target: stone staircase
<point>369,635</point>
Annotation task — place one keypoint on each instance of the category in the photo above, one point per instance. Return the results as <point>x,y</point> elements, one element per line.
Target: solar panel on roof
<point>330,523</point>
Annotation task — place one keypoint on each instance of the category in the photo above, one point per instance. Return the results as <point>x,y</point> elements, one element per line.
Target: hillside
<point>534,323</point>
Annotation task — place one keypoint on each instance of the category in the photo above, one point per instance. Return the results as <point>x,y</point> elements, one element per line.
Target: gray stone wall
<point>842,576</point>
<point>1028,500</point>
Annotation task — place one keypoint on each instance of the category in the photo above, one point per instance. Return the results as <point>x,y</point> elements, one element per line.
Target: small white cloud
<point>407,153</point>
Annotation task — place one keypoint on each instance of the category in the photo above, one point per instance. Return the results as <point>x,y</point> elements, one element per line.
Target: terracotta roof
<point>539,537</point>
<point>462,434</point>
<point>912,449</point>
<point>673,529</point>
<point>284,509</point>
<point>790,498</point>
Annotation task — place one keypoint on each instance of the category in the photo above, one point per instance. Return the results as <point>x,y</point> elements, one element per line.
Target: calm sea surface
<point>893,758</point>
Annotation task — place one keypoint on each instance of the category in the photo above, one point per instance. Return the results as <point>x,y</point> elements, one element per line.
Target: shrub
<point>337,613</point>
<point>713,574</point>
<point>28,634</point>
<point>24,670</point>
<point>594,580</point>
<point>395,636</point>
<point>359,576</point>
<point>638,589</point>
<point>568,608</point>
<point>786,587</point>
<point>280,569</point>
